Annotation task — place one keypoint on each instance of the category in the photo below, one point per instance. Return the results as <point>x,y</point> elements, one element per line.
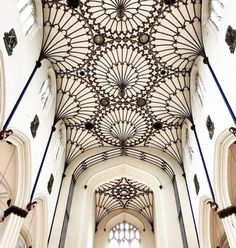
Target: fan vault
<point>123,74</point>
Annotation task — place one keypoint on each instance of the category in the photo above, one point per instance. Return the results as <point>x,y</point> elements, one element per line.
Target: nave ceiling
<point>123,71</point>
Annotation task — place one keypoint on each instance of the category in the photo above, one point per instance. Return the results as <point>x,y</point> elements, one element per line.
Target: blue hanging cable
<point>41,164</point>
<point>206,61</point>
<point>203,162</point>
<point>55,209</point>
<point>37,65</point>
<point>191,207</point>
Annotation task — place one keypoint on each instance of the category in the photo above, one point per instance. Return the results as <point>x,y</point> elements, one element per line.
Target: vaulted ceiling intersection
<point>123,66</point>
<point>124,194</point>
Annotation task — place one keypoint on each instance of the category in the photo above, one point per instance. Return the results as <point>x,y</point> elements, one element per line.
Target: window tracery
<point>199,89</point>
<point>188,144</point>
<point>124,235</point>
<point>216,8</point>
<point>45,92</point>
<point>27,11</point>
<point>59,144</point>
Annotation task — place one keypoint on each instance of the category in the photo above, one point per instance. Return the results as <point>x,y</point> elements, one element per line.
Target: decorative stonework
<point>50,183</point>
<point>123,126</point>
<point>196,184</point>
<point>230,38</point>
<point>210,126</point>
<point>34,126</point>
<point>10,41</point>
<point>122,65</point>
<point>120,18</point>
<point>124,194</point>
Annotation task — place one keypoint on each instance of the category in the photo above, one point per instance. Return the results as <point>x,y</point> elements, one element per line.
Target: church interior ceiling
<point>125,194</point>
<point>123,70</point>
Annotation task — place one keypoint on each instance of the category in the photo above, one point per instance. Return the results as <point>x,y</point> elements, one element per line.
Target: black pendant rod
<point>203,162</point>
<point>41,164</point>
<point>191,207</point>
<point>37,65</point>
<point>55,209</point>
<point>206,61</point>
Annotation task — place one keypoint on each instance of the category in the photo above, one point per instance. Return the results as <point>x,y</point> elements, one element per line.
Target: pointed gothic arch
<point>224,181</point>
<point>2,89</point>
<point>19,149</point>
<point>114,168</point>
<point>35,225</point>
<point>102,235</point>
<point>212,231</point>
<point>221,168</point>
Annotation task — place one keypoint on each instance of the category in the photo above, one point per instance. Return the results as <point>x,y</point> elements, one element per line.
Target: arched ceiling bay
<point>123,70</point>
<point>124,194</point>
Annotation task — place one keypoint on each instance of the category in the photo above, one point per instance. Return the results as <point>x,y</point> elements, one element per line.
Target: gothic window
<point>124,235</point>
<point>216,8</point>
<point>27,11</point>
<point>67,215</point>
<point>45,92</point>
<point>58,146</point>
<point>199,89</point>
<point>188,143</point>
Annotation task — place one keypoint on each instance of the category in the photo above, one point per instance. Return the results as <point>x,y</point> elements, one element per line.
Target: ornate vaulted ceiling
<point>123,70</point>
<point>124,194</point>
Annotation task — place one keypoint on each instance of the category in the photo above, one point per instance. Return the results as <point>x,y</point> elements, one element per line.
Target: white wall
<point>16,71</point>
<point>223,63</point>
<point>166,224</point>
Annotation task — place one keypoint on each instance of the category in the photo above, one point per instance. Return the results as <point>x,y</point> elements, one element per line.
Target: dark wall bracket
<point>227,212</point>
<point>15,210</point>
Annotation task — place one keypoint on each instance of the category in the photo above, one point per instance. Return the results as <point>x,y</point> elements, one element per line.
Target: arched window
<point>216,8</point>
<point>199,89</point>
<point>45,92</point>
<point>27,11</point>
<point>124,235</point>
<point>59,145</point>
